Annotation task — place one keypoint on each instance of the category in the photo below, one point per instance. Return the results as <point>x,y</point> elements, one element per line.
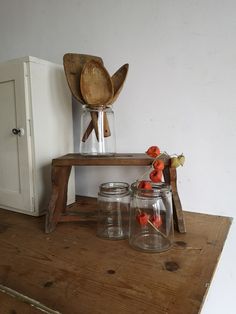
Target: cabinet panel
<point>9,162</point>
<point>15,183</point>
<point>52,125</point>
<point>35,98</point>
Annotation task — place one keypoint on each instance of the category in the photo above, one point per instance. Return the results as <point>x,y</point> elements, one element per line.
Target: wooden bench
<point>61,168</point>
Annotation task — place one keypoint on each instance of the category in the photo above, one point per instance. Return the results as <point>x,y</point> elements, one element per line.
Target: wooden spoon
<point>96,89</point>
<point>73,65</point>
<point>95,84</point>
<point>118,79</point>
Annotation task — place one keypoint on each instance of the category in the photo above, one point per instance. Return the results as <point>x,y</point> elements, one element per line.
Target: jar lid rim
<point>114,187</point>
<point>156,186</point>
<point>158,189</point>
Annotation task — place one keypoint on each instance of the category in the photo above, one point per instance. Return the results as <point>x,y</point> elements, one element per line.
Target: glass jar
<point>97,131</point>
<point>113,210</point>
<point>151,218</point>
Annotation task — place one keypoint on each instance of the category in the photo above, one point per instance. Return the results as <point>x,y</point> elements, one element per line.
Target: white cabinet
<point>35,103</point>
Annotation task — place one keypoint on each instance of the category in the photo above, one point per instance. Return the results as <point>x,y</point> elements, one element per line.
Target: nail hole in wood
<point>171,266</point>
<point>48,284</point>
<point>111,271</point>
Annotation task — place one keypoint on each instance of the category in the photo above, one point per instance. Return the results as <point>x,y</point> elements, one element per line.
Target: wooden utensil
<point>95,84</point>
<point>96,89</point>
<point>118,79</point>
<point>90,127</point>
<point>73,65</point>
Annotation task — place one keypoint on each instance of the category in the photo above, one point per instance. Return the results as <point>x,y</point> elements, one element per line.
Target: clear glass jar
<point>113,210</point>
<point>97,131</point>
<point>151,218</point>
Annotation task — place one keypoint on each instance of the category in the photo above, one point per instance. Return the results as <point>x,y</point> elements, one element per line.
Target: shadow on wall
<point>45,187</point>
<point>76,111</point>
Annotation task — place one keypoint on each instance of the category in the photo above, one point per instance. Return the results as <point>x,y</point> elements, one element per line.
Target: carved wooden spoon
<point>97,90</point>
<point>118,80</point>
<point>95,84</point>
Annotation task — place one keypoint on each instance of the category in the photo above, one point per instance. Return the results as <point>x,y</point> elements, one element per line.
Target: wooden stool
<point>61,168</point>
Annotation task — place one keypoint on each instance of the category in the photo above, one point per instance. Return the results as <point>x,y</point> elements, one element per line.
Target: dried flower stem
<point>161,233</point>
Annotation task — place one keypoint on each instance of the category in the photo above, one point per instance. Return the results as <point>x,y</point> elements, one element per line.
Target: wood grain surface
<point>73,271</point>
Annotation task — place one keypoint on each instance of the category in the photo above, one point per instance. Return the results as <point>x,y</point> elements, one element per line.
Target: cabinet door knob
<point>19,131</point>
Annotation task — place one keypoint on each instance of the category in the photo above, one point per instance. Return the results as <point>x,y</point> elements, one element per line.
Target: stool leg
<point>170,176</point>
<point>57,205</point>
<point>177,207</point>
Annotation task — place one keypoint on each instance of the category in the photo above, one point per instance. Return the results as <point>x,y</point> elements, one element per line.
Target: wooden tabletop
<point>72,271</point>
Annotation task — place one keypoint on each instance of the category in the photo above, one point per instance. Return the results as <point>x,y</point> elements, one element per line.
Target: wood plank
<point>177,207</point>
<point>133,159</point>
<point>73,271</point>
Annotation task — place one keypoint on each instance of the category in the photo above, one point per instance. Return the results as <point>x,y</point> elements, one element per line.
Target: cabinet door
<point>15,151</point>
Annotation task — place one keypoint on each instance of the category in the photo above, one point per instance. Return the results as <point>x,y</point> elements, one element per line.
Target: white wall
<point>180,93</point>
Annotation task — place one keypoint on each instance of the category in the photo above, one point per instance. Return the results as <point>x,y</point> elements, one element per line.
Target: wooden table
<point>72,271</point>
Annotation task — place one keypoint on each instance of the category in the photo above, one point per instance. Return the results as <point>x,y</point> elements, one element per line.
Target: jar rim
<point>117,187</point>
<point>158,189</point>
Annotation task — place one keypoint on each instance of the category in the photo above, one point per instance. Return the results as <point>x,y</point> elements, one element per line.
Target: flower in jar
<point>156,220</point>
<point>142,218</point>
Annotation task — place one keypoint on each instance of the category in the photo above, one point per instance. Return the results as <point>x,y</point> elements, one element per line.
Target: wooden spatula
<point>73,65</point>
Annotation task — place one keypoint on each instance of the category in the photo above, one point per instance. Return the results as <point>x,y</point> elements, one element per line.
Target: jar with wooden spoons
<point>118,79</point>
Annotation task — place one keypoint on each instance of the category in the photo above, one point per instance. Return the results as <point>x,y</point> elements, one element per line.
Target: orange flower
<point>158,165</point>
<point>156,220</point>
<point>142,219</point>
<point>153,151</point>
<point>156,176</point>
<point>145,185</point>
